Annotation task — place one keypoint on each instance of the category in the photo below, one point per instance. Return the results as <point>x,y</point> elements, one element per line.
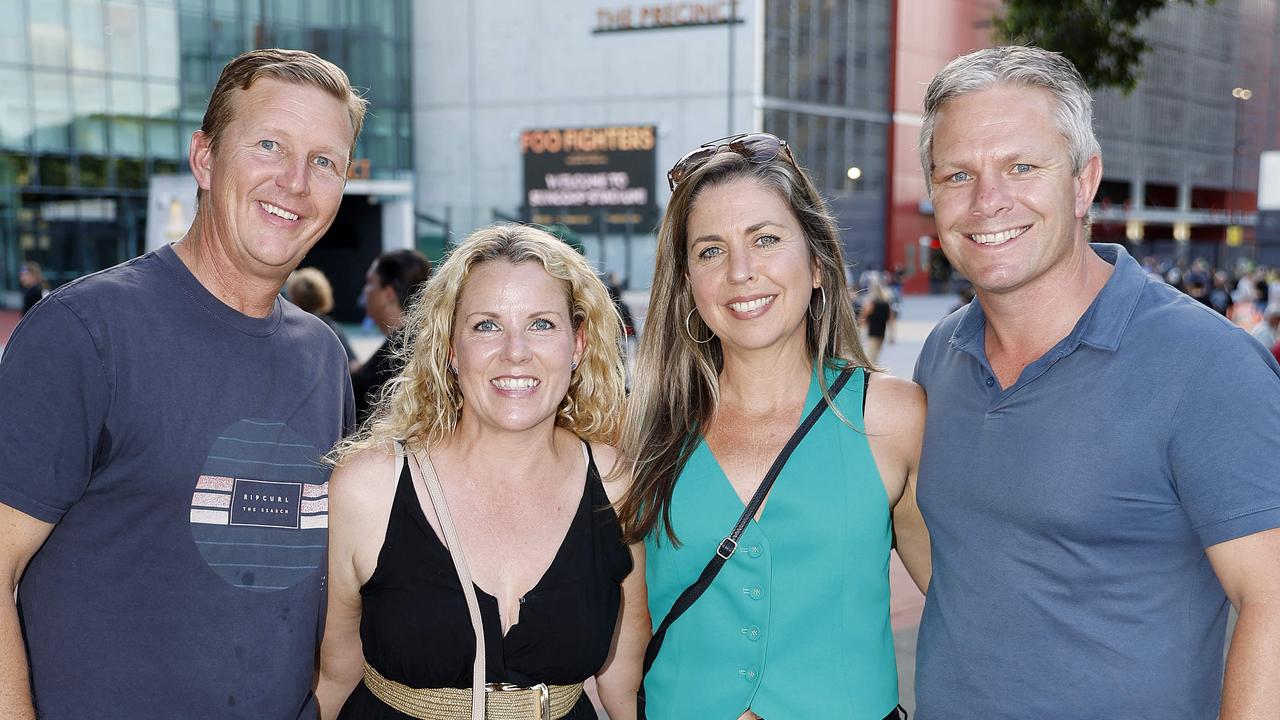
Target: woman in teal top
<point>747,330</point>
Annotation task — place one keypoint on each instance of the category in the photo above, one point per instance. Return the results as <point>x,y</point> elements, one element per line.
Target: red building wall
<point>928,34</point>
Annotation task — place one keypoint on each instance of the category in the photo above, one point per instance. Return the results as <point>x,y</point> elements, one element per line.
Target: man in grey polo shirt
<point>1102,453</point>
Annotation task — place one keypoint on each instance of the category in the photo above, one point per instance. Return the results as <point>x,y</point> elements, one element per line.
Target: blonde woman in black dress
<point>512,388</point>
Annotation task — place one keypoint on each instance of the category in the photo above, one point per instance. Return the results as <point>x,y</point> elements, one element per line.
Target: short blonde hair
<point>310,290</point>
<point>292,66</point>
<point>298,67</point>
<point>422,404</point>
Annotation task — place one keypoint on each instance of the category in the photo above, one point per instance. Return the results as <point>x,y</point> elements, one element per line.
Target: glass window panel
<point>48,30</point>
<point>225,8</point>
<point>166,167</point>
<point>88,36</point>
<point>131,173</point>
<point>15,108</point>
<point>94,171</point>
<point>55,171</point>
<point>349,12</point>
<point>126,136</point>
<point>162,99</point>
<point>287,36</point>
<point>52,110</point>
<point>322,13</point>
<point>184,136</point>
<point>379,134</point>
<point>162,42</point>
<point>13,32</point>
<point>199,7</point>
<point>127,98</point>
<point>124,39</point>
<point>89,93</point>
<point>287,10</point>
<point>162,138</point>
<point>381,16</point>
<point>90,134</point>
<point>15,169</point>
<point>226,40</point>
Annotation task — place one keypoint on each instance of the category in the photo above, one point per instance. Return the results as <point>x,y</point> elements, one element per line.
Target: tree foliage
<point>1099,36</point>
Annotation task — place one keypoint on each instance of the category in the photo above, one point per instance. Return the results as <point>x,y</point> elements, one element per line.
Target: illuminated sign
<point>581,177</point>
<point>660,16</point>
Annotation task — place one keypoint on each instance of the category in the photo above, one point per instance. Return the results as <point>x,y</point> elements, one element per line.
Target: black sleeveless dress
<point>416,630</point>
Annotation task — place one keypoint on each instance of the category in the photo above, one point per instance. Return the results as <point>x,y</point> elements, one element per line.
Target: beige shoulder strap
<point>395,477</point>
<point>422,463</point>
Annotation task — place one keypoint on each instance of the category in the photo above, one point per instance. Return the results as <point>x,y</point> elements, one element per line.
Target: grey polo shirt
<point>1069,513</point>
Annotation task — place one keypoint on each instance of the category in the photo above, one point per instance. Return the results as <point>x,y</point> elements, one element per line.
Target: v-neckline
<point>727,484</point>
<point>420,517</point>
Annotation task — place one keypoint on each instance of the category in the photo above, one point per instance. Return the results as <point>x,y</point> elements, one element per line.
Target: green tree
<point>1099,36</point>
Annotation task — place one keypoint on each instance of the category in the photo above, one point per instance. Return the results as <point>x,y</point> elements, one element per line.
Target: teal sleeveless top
<point>796,625</point>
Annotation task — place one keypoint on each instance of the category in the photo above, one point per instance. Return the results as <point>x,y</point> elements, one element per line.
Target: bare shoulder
<point>615,482</point>
<point>895,406</point>
<point>364,481</point>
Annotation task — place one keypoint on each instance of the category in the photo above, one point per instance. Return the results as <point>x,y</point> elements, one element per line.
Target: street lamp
<point>854,173</point>
<point>1241,94</point>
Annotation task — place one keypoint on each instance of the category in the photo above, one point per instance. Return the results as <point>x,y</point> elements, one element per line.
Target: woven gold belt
<point>503,701</point>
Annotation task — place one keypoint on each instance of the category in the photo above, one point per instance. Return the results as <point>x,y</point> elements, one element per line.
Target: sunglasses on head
<point>755,147</point>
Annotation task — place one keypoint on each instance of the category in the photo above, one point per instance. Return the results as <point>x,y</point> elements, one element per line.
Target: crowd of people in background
<point>1248,294</point>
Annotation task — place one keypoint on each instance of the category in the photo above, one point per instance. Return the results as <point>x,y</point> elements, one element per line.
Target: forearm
<point>913,548</point>
<point>334,688</point>
<point>1251,688</point>
<point>15,679</point>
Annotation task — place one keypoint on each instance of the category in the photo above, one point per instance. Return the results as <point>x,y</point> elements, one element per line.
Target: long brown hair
<point>675,389</point>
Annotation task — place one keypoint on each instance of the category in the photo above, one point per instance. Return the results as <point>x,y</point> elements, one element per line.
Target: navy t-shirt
<point>176,444</point>
<point>1069,512</point>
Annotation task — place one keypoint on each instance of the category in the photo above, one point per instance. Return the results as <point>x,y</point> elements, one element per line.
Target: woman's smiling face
<point>750,269</point>
<point>513,345</point>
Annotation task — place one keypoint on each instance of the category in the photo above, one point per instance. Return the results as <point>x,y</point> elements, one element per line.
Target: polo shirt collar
<point>1102,325</point>
<point>1105,321</point>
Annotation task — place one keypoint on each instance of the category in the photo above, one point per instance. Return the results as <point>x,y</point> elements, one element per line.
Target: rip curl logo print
<point>260,510</point>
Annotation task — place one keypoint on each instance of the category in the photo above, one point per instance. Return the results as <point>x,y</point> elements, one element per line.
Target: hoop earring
<point>824,304</point>
<point>689,332</point>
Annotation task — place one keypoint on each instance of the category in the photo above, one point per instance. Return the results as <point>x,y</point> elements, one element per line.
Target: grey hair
<point>1019,66</point>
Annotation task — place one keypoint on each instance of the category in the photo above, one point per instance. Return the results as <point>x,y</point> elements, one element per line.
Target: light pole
<point>1242,95</point>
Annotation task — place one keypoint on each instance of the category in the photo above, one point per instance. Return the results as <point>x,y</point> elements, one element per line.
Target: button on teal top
<point>796,625</point>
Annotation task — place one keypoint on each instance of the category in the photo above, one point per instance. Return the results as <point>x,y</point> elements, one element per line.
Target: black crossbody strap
<point>730,543</point>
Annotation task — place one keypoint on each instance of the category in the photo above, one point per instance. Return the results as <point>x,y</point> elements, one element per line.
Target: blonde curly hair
<point>422,404</point>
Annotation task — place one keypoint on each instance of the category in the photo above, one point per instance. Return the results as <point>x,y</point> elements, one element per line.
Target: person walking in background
<point>1267,332</point>
<point>162,493</point>
<point>393,280</point>
<point>511,388</point>
<point>1102,458</point>
<point>748,333</point>
<point>34,286</point>
<point>310,290</point>
<point>877,316</point>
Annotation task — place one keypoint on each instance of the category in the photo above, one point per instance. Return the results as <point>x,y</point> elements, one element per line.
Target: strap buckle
<point>543,697</point>
<point>727,547</point>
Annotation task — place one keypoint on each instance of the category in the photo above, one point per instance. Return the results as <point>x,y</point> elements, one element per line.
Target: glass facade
<point>826,86</point>
<point>826,90</point>
<point>97,95</point>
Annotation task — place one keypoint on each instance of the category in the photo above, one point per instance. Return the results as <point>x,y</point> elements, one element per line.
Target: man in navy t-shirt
<point>163,500</point>
<point>1100,472</point>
